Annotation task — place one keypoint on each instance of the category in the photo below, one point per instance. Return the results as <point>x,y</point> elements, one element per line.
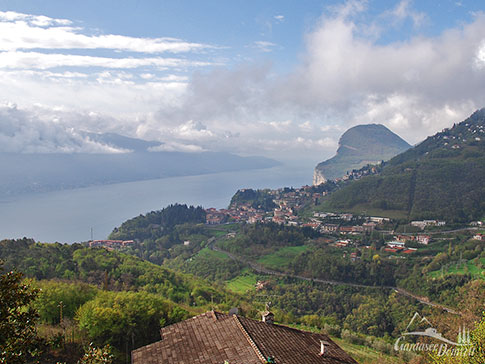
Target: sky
<point>278,78</point>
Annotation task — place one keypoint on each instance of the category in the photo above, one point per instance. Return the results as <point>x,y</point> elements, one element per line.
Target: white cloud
<point>39,53</point>
<point>348,75</point>
<point>335,127</point>
<point>192,130</point>
<point>264,46</point>
<point>37,60</point>
<point>147,76</point>
<point>39,20</point>
<point>22,31</point>
<point>282,126</point>
<point>178,147</point>
<point>404,10</point>
<point>30,131</point>
<point>174,78</point>
<point>45,74</point>
<point>103,92</point>
<point>348,8</point>
<point>279,18</point>
<point>354,76</point>
<point>480,56</point>
<point>307,126</point>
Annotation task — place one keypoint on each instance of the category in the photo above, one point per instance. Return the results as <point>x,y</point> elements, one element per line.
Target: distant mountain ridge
<point>122,142</point>
<point>42,172</point>
<point>359,146</point>
<point>441,178</point>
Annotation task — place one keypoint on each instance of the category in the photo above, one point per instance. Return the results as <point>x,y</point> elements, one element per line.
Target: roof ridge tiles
<point>249,338</point>
<point>212,314</point>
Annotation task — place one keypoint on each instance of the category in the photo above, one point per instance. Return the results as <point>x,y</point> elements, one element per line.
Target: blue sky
<point>238,24</point>
<point>278,78</point>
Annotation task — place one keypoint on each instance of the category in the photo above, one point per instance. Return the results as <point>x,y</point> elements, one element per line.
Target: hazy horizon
<point>280,80</point>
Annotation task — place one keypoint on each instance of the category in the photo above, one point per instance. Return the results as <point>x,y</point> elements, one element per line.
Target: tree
<point>477,348</point>
<point>52,293</point>
<point>95,355</point>
<point>19,342</point>
<point>478,340</point>
<point>126,320</point>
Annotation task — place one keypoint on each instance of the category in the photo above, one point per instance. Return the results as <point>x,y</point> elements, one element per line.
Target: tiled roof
<point>213,338</point>
<point>292,346</point>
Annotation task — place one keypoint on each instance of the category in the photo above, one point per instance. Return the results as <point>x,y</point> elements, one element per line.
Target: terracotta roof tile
<point>292,346</point>
<point>213,338</point>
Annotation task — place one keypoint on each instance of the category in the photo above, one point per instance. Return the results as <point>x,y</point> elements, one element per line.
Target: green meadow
<point>469,267</point>
<point>282,257</point>
<point>243,283</point>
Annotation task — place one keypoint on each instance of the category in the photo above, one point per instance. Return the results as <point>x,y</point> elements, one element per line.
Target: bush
<point>352,337</point>
<point>332,330</point>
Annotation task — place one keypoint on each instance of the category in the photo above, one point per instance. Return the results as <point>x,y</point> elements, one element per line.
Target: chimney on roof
<point>268,317</point>
<point>323,345</point>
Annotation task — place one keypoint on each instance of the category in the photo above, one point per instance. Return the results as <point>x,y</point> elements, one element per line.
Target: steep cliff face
<point>318,177</point>
<point>359,146</point>
<point>440,178</point>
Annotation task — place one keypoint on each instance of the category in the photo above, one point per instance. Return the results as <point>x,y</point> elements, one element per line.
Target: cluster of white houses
<point>398,245</point>
<point>425,223</point>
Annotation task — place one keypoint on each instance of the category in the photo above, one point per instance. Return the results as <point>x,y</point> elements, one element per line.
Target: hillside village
<point>345,230</point>
<point>293,207</point>
<point>285,203</point>
<point>290,207</point>
<point>467,133</point>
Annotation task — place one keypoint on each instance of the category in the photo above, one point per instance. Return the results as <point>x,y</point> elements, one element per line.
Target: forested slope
<point>441,178</point>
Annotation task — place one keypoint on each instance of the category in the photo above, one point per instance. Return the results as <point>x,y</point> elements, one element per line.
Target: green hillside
<point>110,270</point>
<point>359,146</point>
<point>441,178</point>
<point>105,297</point>
<point>106,294</point>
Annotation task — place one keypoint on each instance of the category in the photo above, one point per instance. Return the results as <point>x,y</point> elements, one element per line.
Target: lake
<point>67,216</point>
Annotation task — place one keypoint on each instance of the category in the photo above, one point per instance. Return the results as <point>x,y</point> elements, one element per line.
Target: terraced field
<point>243,283</point>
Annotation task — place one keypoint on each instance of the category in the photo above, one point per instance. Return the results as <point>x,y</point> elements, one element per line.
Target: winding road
<point>263,270</point>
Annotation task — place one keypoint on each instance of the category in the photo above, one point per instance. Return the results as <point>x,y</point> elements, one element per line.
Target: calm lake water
<point>68,216</point>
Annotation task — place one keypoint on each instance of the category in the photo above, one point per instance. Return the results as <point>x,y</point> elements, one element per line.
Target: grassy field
<point>434,248</point>
<point>244,282</point>
<point>464,268</point>
<point>282,257</point>
<point>372,211</point>
<point>362,210</point>
<point>220,230</point>
<point>206,252</point>
<point>366,355</point>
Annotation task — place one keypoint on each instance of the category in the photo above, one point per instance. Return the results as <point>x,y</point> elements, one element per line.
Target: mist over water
<point>68,216</point>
